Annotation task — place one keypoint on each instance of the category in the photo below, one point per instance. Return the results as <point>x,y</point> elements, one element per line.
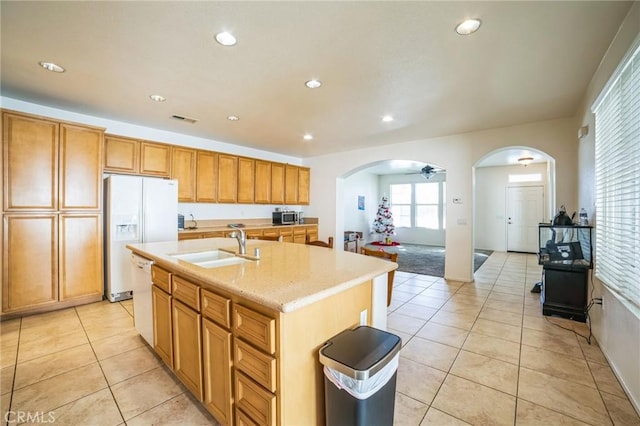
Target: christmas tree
<point>383,223</point>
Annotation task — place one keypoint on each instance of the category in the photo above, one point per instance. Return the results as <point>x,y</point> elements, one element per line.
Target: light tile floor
<point>476,353</point>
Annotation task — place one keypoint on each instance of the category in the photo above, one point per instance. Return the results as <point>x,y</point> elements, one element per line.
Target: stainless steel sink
<point>210,258</point>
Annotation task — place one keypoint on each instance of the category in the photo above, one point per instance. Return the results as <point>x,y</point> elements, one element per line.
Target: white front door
<point>525,209</point>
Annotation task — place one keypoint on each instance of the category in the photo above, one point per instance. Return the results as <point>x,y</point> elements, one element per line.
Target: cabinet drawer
<point>255,401</point>
<point>161,278</point>
<point>299,230</point>
<point>186,292</point>
<point>255,328</point>
<point>259,366</point>
<point>243,420</point>
<point>216,308</point>
<point>271,233</point>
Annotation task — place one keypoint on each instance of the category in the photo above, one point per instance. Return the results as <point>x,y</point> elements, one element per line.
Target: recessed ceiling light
<point>233,118</point>
<point>226,39</point>
<point>50,66</point>
<point>307,137</point>
<point>469,26</point>
<point>387,118</point>
<point>313,84</point>
<point>157,98</point>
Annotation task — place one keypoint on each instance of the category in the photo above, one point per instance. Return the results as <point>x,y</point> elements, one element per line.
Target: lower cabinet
<point>162,335</point>
<point>187,347</point>
<point>217,363</point>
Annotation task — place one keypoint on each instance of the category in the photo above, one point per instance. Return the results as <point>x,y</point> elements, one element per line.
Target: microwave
<point>285,218</point>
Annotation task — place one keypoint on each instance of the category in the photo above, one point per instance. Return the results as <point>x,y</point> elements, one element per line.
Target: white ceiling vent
<point>185,119</point>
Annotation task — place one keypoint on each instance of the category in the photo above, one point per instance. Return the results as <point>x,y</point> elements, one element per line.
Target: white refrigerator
<point>137,210</point>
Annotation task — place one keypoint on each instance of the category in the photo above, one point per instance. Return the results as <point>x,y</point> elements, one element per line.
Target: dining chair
<point>320,243</point>
<point>385,255</point>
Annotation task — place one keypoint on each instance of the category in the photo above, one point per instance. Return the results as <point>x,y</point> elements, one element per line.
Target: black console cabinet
<point>564,292</point>
<point>566,255</point>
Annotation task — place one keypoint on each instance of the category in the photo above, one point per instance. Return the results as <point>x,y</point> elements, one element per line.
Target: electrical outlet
<point>363,317</point>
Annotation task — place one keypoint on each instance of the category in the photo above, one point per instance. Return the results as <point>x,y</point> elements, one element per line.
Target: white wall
<point>365,184</point>
<point>491,185</point>
<point>199,210</point>
<point>457,154</point>
<point>616,324</point>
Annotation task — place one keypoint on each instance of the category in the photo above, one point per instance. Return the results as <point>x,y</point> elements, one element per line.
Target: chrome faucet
<point>239,235</point>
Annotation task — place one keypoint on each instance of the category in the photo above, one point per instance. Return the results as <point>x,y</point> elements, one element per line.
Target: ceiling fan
<point>428,171</point>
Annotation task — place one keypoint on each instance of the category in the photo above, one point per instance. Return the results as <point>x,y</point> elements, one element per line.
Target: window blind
<point>617,170</point>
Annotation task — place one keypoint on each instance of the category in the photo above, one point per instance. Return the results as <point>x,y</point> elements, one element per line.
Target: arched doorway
<point>501,183</point>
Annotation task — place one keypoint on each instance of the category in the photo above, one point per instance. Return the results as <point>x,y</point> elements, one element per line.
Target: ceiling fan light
<point>525,161</point>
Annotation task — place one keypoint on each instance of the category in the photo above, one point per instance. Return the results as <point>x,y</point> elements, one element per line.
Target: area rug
<point>427,260</point>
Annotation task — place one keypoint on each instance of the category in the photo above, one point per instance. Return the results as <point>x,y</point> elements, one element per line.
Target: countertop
<point>213,228</point>
<point>288,276</point>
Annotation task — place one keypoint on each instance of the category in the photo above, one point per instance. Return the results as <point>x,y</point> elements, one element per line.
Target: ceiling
<point>529,61</point>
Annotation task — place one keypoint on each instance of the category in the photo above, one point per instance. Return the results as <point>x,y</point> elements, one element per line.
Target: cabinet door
<point>155,159</point>
<point>30,259</point>
<point>277,183</point>
<point>246,180</point>
<point>227,178</point>
<point>80,256</point>
<point>80,168</point>
<point>290,184</point>
<point>304,180</point>
<point>187,347</point>
<point>162,335</point>
<point>299,234</point>
<point>216,351</point>
<point>121,155</point>
<point>30,148</point>
<point>263,182</point>
<point>183,168</point>
<point>206,177</point>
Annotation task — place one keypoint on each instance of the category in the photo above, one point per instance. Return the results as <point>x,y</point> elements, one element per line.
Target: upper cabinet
<point>262,194</point>
<point>296,184</point>
<point>227,178</point>
<point>246,180</point>
<point>121,155</point>
<point>206,176</point>
<point>126,155</point>
<point>155,159</point>
<point>183,168</point>
<point>50,165</point>
<point>304,179</point>
<point>210,177</point>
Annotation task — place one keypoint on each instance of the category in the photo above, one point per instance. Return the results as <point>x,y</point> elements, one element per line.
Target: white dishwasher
<point>141,286</point>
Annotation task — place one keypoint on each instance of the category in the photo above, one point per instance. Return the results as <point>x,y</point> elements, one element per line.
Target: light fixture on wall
<point>525,161</point>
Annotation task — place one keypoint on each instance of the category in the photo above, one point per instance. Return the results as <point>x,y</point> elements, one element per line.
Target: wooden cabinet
<point>183,168</point>
<point>304,181</point>
<point>80,256</point>
<point>287,234</point>
<point>290,184</point>
<point>312,232</point>
<point>121,155</point>
<point>187,347</point>
<point>127,155</point>
<point>30,259</point>
<point>263,182</point>
<point>227,178</point>
<point>162,327</point>
<point>30,155</point>
<point>52,187</point>
<point>217,363</point>
<point>299,234</point>
<point>246,180</point>
<point>206,177</point>
<point>277,183</point>
<point>155,159</point>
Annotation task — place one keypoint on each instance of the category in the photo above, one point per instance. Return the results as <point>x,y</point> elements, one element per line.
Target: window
<point>520,178</point>
<point>617,111</point>
<point>419,205</point>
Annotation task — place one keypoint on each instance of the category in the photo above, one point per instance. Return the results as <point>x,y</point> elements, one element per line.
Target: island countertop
<point>287,276</point>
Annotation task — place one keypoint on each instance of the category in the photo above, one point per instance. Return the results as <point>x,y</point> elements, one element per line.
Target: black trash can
<point>360,377</point>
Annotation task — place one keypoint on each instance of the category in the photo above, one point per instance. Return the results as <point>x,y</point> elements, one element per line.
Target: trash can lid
<point>360,352</point>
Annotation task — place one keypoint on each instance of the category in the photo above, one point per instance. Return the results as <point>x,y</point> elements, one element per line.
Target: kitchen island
<point>243,334</point>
